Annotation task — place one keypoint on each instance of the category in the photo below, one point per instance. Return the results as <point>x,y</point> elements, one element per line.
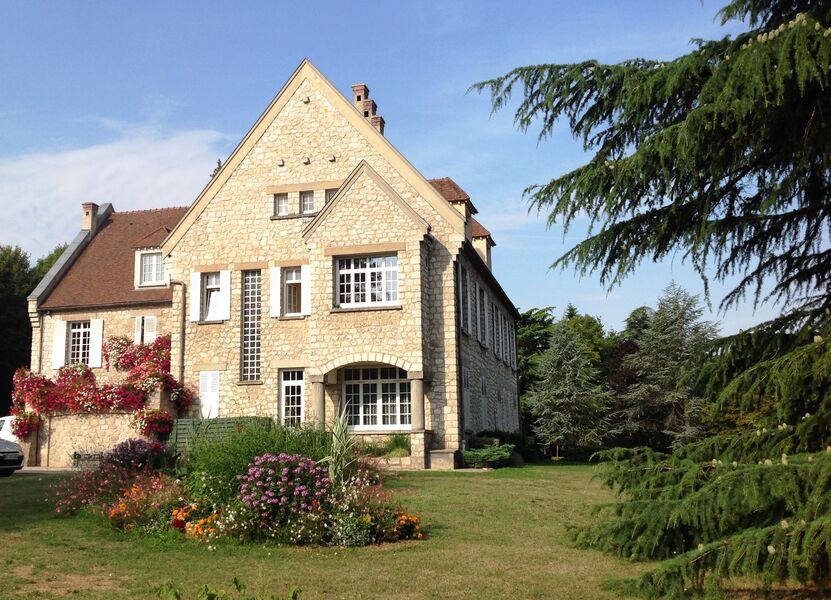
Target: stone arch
<point>366,357</point>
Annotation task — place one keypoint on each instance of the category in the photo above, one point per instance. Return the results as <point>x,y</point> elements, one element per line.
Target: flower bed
<point>281,498</point>
<point>74,389</point>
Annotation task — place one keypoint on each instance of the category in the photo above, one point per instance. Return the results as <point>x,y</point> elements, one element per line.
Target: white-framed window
<point>481,315</point>
<point>377,398</point>
<point>250,327</point>
<point>483,402</point>
<point>151,269</point>
<point>145,329</point>
<point>307,201</point>
<point>78,342</point>
<point>209,394</point>
<point>291,397</point>
<point>330,193</point>
<point>281,205</point>
<point>367,281</point>
<point>210,296</point>
<point>505,357</point>
<point>292,291</point>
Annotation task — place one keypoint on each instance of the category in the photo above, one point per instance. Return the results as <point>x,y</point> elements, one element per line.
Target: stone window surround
<point>320,189</point>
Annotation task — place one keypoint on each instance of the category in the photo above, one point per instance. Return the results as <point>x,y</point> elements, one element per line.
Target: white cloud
<point>41,193</point>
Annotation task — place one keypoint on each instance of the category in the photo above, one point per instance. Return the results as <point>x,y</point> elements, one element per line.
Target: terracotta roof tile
<point>103,274</point>
<point>478,230</point>
<point>450,189</point>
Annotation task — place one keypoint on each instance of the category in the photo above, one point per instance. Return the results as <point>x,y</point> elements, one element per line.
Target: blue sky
<point>132,103</point>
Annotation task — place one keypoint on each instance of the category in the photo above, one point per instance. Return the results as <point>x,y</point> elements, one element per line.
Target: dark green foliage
<point>494,456</point>
<point>17,280</point>
<point>168,591</point>
<point>658,408</point>
<point>721,155</point>
<point>533,334</point>
<point>525,445</point>
<point>568,403</point>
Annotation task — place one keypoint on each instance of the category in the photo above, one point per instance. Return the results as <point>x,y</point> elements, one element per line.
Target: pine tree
<point>723,157</point>
<point>659,408</point>
<point>568,404</point>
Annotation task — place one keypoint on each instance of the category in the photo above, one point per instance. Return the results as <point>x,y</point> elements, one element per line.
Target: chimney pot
<point>378,123</point>
<point>90,216</point>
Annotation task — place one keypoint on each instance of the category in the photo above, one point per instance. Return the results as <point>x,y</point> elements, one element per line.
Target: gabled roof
<point>477,230</point>
<point>153,239</point>
<point>364,168</point>
<point>103,273</point>
<point>308,72</point>
<point>452,192</point>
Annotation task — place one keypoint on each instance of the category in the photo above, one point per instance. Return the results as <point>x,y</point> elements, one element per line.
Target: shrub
<point>489,456</point>
<point>146,504</point>
<point>344,446</point>
<point>524,444</point>
<point>137,454</point>
<point>215,463</point>
<point>290,494</point>
<point>397,444</point>
<point>24,425</point>
<point>169,592</point>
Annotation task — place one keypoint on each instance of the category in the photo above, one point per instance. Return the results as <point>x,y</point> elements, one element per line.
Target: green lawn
<point>499,534</point>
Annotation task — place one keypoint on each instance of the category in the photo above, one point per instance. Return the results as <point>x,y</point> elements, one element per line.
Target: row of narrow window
<point>492,328</point>
<point>305,205</point>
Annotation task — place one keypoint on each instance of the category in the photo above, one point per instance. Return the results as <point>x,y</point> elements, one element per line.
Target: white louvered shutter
<point>274,286</point>
<point>485,316</point>
<point>209,394</point>
<point>137,329</point>
<point>58,344</point>
<point>306,289</point>
<point>195,296</point>
<point>149,329</point>
<point>96,341</point>
<point>224,312</point>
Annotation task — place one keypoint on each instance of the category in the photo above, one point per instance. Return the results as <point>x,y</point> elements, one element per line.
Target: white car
<point>6,429</point>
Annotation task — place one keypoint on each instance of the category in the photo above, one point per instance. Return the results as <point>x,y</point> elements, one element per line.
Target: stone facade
<point>311,140</point>
<point>60,436</point>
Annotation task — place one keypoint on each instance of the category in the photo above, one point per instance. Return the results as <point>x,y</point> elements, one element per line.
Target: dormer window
<point>150,268</point>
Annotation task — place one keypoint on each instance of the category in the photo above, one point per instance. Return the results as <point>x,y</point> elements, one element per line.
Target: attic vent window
<point>366,113</point>
<point>358,98</point>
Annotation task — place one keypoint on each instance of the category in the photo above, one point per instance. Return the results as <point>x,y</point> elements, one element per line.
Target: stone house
<point>318,270</point>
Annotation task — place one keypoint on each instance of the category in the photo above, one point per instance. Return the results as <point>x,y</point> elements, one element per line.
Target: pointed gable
<point>372,197</point>
<point>307,74</point>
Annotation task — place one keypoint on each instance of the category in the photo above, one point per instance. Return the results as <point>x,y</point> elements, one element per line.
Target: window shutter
<point>209,394</point>
<point>137,329</point>
<point>487,323</point>
<point>195,296</point>
<point>274,284</point>
<point>58,344</point>
<point>224,313</point>
<point>459,294</point>
<point>306,289</point>
<point>149,329</point>
<point>96,341</point>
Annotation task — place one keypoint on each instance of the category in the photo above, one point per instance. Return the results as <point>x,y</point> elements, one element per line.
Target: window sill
<point>210,322</point>
<point>381,429</point>
<point>293,216</point>
<point>152,286</point>
<point>258,382</point>
<point>291,318</point>
<point>365,308</point>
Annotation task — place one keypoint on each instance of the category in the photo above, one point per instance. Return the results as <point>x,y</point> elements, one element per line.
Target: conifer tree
<point>660,408</point>
<point>724,156</point>
<point>568,403</point>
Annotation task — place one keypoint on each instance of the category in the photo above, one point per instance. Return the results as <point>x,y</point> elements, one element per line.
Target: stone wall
<point>236,232</point>
<point>62,435</point>
<point>494,400</point>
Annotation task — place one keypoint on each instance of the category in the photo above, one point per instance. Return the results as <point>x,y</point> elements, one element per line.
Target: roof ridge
<point>148,210</point>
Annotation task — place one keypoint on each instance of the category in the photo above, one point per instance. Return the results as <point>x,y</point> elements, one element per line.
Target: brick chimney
<point>368,108</point>
<point>90,216</point>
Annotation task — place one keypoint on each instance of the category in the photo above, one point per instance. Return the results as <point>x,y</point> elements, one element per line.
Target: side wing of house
<point>110,282</point>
